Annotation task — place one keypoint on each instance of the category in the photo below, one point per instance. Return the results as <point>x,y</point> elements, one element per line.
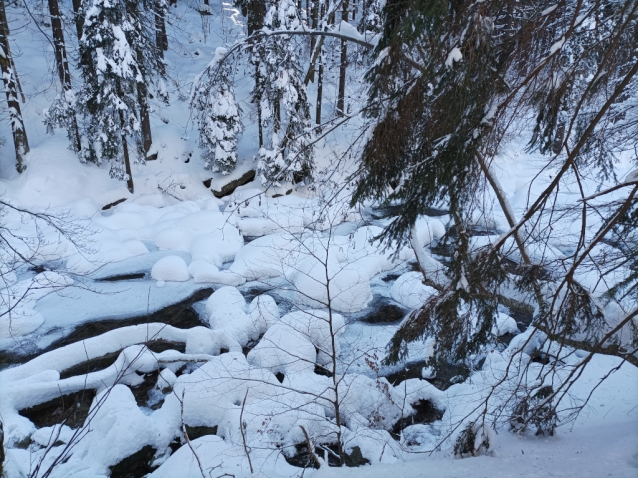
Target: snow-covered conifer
<point>109,96</point>
<point>217,114</point>
<point>283,100</point>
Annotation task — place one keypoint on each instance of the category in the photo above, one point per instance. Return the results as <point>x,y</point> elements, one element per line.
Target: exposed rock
<point>385,313</point>
<point>72,409</point>
<point>136,465</point>
<point>356,458</point>
<point>426,412</point>
<point>198,432</point>
<point>207,182</point>
<point>230,187</point>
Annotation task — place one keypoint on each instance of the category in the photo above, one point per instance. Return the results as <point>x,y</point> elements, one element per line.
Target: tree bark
<point>79,19</point>
<point>319,93</point>
<point>20,140</point>
<point>342,67</point>
<point>256,13</point>
<point>161,39</point>
<point>127,160</point>
<point>145,120</point>
<point>142,90</point>
<point>62,65</point>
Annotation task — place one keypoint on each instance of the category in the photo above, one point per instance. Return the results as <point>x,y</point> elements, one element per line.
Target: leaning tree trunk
<point>63,69</point>
<point>11,89</point>
<point>342,66</point>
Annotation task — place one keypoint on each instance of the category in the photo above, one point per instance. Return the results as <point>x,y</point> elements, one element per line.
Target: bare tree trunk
<point>11,89</point>
<point>310,76</point>
<point>256,13</point>
<point>259,125</point>
<point>142,98</point>
<point>342,67</point>
<point>142,90</point>
<point>161,39</point>
<point>63,68</point>
<point>79,19</point>
<point>319,93</point>
<point>127,160</point>
<point>335,380</point>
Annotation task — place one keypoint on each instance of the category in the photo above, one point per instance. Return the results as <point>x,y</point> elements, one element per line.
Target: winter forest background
<point>326,237</point>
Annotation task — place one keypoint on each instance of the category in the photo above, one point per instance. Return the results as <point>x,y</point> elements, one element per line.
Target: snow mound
<point>343,286</point>
<point>284,350</point>
<point>226,310</point>
<point>409,290</point>
<point>170,268</point>
<point>504,324</point>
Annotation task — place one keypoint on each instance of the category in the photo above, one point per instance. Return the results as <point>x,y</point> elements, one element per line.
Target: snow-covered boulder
<point>284,349</point>
<point>409,290</point>
<point>170,268</point>
<point>226,310</point>
<point>348,285</point>
<point>504,324</point>
<point>318,327</point>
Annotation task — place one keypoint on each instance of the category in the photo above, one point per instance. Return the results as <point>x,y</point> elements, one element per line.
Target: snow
<point>170,268</point>
<point>409,290</point>
<point>318,283</point>
<point>454,55</point>
<point>504,324</point>
<point>307,251</point>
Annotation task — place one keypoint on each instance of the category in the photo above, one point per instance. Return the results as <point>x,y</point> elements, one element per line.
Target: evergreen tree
<point>283,101</point>
<point>449,82</point>
<point>217,114</point>
<point>109,94</point>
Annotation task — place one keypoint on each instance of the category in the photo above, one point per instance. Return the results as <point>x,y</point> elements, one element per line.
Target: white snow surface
<point>175,232</point>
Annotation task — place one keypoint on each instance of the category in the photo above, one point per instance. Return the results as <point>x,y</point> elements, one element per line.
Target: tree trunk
<point>127,160</point>
<point>256,13</point>
<point>142,90</point>
<point>259,125</point>
<point>142,98</point>
<point>79,19</point>
<point>342,67</point>
<point>145,120</point>
<point>63,68</point>
<point>161,40</point>
<point>319,93</point>
<point>310,76</point>
<point>11,89</point>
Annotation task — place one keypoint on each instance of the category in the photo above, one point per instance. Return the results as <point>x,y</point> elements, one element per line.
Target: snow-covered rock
<point>170,268</point>
<point>409,290</point>
<point>345,287</point>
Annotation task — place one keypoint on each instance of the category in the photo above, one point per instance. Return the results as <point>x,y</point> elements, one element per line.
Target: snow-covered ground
<point>255,369</point>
